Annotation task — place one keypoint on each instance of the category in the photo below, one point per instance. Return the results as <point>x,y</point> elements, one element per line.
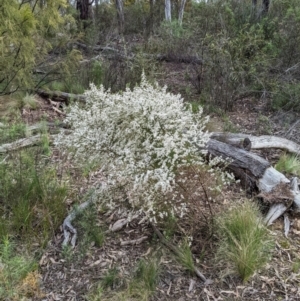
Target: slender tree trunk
<point>266,6</point>
<point>181,11</point>
<point>168,10</point>
<point>120,12</point>
<point>96,9</point>
<point>149,29</point>
<point>83,7</point>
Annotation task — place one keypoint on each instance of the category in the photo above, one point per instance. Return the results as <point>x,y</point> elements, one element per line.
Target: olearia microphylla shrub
<point>140,138</point>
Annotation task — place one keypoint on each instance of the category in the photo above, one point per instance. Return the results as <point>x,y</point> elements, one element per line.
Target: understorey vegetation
<point>107,188</point>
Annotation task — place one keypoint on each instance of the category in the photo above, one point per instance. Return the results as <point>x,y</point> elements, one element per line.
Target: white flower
<point>139,138</point>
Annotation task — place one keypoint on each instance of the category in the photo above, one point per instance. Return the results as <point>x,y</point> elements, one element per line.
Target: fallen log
<point>239,158</point>
<point>258,142</point>
<point>272,185</point>
<point>51,127</point>
<point>21,143</point>
<point>61,96</point>
<point>113,53</point>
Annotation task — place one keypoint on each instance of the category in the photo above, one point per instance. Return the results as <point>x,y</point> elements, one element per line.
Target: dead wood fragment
<point>134,241</point>
<point>287,225</point>
<point>119,224</point>
<point>177,252</point>
<point>296,193</point>
<point>70,233</point>
<point>275,212</point>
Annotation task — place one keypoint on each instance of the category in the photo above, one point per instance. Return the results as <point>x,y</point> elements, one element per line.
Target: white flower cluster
<point>139,138</point>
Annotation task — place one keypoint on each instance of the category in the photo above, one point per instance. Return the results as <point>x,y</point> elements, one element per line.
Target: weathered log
<point>61,96</point>
<point>238,158</point>
<point>21,143</point>
<point>29,141</point>
<point>258,142</point>
<point>270,182</point>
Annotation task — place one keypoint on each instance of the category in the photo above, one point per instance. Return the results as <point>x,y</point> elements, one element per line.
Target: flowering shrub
<point>140,138</point>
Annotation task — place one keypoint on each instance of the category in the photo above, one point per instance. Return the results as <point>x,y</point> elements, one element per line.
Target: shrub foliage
<point>140,139</point>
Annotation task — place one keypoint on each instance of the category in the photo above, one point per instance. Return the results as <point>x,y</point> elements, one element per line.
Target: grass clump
<point>139,288</point>
<point>147,274</point>
<point>9,133</point>
<point>32,197</point>
<point>185,256</point>
<point>16,274</point>
<point>29,102</point>
<point>289,164</point>
<point>245,242</point>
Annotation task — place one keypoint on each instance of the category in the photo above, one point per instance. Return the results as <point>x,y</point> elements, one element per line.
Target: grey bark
<point>181,11</point>
<point>258,142</point>
<point>238,158</point>
<point>168,10</point>
<point>60,96</point>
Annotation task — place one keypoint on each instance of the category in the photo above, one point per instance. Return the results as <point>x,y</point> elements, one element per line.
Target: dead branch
<point>134,241</point>
<point>176,251</point>
<point>69,230</point>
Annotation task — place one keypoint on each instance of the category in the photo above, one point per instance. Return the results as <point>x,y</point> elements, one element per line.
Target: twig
<point>134,241</point>
<point>175,250</point>
<point>58,111</point>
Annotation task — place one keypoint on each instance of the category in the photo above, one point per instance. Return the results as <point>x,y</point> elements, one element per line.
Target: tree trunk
<point>151,18</point>
<point>266,6</point>
<point>120,14</point>
<point>83,7</point>
<point>181,11</point>
<point>168,10</point>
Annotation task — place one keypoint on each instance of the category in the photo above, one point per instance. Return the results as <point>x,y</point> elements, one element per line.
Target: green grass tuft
<point>245,242</point>
<point>110,279</point>
<point>289,164</point>
<point>32,197</point>
<point>139,288</point>
<point>185,256</point>
<point>147,274</point>
<point>13,269</point>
